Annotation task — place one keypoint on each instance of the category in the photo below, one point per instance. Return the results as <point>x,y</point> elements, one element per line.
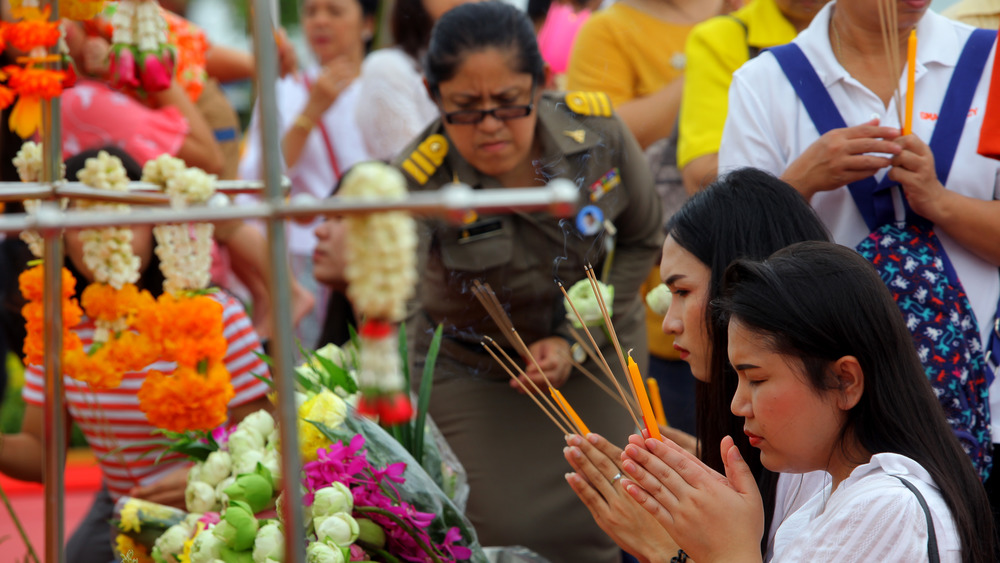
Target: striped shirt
<point>112,422</point>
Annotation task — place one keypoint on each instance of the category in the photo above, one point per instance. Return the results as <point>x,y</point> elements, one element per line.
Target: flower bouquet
<point>365,497</point>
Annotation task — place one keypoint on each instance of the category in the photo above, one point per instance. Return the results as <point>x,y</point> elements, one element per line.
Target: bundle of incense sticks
<point>562,414</point>
<point>889,20</point>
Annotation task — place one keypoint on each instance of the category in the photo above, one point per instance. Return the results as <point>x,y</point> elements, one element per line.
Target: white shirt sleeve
<point>395,106</point>
<point>750,137</point>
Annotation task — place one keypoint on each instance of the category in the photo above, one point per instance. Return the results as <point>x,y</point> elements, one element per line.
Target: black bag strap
<point>932,547</point>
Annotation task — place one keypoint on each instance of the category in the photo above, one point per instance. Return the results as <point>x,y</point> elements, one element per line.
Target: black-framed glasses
<point>502,113</point>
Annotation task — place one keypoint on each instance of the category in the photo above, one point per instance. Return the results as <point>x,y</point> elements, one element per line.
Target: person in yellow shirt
<point>714,50</point>
<point>978,13</point>
<point>634,52</point>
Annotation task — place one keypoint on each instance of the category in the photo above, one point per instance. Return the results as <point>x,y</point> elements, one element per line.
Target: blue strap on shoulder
<point>873,198</point>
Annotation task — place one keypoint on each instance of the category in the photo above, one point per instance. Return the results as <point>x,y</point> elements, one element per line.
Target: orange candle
<point>654,398</point>
<point>569,412</point>
<point>640,394</point>
<point>911,70</point>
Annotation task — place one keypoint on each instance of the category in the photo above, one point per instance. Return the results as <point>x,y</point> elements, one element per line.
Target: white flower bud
<point>260,422</point>
<point>172,541</point>
<point>244,440</point>
<point>247,463</point>
<point>206,548</point>
<point>216,468</point>
<point>331,500</point>
<point>199,496</point>
<point>269,545</point>
<point>340,529</point>
<point>319,552</point>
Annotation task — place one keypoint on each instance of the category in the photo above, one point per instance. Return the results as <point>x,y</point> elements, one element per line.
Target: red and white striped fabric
<point>112,422</point>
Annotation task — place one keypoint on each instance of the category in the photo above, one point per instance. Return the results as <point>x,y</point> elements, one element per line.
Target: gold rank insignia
<point>425,161</point>
<point>578,135</point>
<point>589,103</point>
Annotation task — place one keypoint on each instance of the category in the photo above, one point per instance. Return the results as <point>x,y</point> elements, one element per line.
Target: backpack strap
<point>826,117</point>
<point>872,198</point>
<point>932,548</point>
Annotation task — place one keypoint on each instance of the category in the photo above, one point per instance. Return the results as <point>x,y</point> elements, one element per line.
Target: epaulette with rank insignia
<point>589,103</point>
<point>424,162</point>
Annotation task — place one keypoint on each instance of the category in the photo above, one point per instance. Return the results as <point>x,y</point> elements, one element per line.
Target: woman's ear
<point>851,381</point>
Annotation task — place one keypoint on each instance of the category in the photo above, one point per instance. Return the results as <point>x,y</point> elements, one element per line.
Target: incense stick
<point>596,381</point>
<point>600,361</point>
<point>603,360</point>
<point>526,390</point>
<point>889,22</point>
<point>530,381</point>
<point>589,270</point>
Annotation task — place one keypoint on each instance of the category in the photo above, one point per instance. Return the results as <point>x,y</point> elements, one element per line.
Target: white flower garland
<point>381,247</point>
<point>29,168</point>
<point>185,250</point>
<point>108,251</point>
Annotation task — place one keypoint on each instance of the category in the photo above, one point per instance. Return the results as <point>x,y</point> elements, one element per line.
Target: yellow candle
<point>654,398</point>
<point>911,69</point>
<point>640,394</point>
<point>569,412</point>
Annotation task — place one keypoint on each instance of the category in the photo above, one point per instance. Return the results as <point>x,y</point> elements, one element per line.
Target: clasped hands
<point>849,154</point>
<point>667,498</point>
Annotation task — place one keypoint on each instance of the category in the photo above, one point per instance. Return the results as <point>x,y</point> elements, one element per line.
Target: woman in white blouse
<point>829,381</point>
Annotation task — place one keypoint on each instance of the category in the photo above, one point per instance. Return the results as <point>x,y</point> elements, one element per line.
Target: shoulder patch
<point>424,162</point>
<point>589,103</point>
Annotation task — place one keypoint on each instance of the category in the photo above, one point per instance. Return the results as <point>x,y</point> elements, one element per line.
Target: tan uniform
<point>511,451</point>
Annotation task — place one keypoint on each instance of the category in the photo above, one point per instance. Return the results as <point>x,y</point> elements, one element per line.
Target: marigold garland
<point>34,32</point>
<point>187,400</point>
<point>31,283</point>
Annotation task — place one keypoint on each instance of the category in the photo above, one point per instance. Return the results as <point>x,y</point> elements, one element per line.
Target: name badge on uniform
<point>609,181</point>
<point>590,220</point>
<point>480,231</point>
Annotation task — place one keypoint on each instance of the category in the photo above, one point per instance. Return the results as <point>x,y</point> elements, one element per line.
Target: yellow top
<point>626,53</point>
<point>715,49</point>
<point>978,13</point>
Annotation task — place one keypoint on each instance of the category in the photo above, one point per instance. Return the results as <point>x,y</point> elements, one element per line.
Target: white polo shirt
<point>768,128</point>
<point>312,174</point>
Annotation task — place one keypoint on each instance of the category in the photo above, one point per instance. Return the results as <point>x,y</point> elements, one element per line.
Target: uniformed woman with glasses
<point>497,129</point>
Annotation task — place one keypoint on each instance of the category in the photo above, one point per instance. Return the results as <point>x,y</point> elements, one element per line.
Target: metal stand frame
<point>559,198</point>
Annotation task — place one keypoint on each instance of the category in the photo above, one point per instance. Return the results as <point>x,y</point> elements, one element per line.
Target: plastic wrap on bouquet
<point>513,554</point>
<point>444,467</point>
<point>137,524</point>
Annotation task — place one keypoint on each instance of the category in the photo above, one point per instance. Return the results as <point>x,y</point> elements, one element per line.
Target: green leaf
<point>332,434</point>
<point>424,397</point>
<point>404,355</point>
<point>264,378</point>
<point>336,375</point>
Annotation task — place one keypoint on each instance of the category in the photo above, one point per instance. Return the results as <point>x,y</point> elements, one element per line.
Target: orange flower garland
<point>34,31</point>
<point>31,284</point>
<point>31,85</point>
<point>186,399</point>
<point>189,331</point>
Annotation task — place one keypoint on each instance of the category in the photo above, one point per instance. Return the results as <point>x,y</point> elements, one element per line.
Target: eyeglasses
<point>502,113</point>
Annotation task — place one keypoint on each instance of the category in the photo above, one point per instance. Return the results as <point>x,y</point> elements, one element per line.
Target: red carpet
<point>82,480</point>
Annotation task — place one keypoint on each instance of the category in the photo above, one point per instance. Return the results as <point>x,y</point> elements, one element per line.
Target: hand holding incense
<point>640,392</point>
<point>911,70</point>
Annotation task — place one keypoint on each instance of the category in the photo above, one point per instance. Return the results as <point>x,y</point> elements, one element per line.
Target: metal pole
<point>54,428</point>
<point>278,283</point>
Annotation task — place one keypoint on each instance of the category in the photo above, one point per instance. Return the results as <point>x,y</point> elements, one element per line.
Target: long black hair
<point>747,213</point>
<point>475,27</point>
<point>819,302</point>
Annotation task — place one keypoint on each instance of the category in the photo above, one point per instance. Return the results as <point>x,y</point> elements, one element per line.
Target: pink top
<point>555,39</point>
<point>95,116</point>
